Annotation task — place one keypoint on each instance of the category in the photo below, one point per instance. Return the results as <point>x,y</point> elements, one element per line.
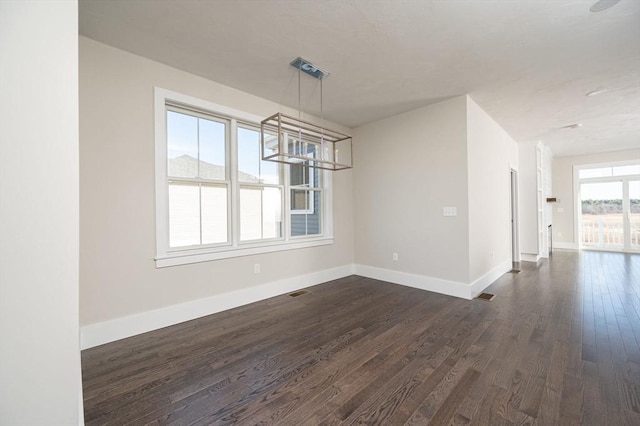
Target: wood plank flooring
<point>558,345</point>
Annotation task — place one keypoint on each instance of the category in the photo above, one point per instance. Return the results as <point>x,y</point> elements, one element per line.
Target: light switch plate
<point>449,211</point>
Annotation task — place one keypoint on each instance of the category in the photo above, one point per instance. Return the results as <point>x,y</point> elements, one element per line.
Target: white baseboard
<point>120,328</point>
<point>437,285</point>
<point>109,331</point>
<point>529,257</point>
<point>423,282</point>
<point>487,279</point>
<point>565,246</point>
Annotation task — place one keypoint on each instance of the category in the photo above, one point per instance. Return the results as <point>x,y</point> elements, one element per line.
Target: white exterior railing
<point>598,232</point>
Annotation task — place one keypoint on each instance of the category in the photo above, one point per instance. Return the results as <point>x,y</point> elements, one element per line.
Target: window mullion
<point>262,212</point>
<point>286,199</point>
<point>234,205</point>
<point>200,210</point>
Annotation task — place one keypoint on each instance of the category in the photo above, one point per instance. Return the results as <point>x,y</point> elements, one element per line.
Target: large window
<point>260,189</point>
<point>196,178</point>
<point>215,196</point>
<point>608,215</point>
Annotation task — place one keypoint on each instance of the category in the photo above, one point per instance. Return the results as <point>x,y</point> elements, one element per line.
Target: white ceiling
<point>528,63</point>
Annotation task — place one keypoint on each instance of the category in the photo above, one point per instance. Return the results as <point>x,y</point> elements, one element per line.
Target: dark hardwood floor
<point>558,345</point>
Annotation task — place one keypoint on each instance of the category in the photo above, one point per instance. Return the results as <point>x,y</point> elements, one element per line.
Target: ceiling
<point>528,63</point>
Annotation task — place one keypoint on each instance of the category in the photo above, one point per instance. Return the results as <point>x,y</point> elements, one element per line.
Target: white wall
<point>117,230</point>
<point>491,155</point>
<point>547,187</point>
<point>406,169</point>
<point>563,219</point>
<point>40,380</point>
<point>528,205</point>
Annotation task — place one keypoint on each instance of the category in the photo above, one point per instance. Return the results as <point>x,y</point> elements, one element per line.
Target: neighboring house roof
<point>187,166</point>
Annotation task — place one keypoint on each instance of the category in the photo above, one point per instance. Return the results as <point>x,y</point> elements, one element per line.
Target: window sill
<point>187,257</point>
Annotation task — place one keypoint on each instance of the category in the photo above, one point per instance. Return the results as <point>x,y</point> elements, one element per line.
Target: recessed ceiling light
<point>572,126</point>
<point>601,5</point>
<point>596,92</point>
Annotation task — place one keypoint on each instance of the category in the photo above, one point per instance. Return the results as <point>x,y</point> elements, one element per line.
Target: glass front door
<point>610,216</point>
<point>602,215</point>
<point>634,215</point>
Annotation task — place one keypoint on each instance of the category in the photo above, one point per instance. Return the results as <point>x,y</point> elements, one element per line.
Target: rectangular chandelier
<point>289,140</point>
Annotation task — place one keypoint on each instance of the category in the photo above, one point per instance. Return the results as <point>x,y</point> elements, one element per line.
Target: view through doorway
<point>609,198</point>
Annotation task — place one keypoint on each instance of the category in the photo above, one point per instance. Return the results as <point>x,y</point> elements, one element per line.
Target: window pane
<point>260,213</point>
<point>248,156</point>
<point>186,202</point>
<point>593,173</point>
<point>251,167</point>
<point>214,214</point>
<point>626,170</point>
<point>184,215</point>
<point>634,213</point>
<point>299,175</point>
<point>300,199</point>
<point>182,145</point>
<point>250,214</point>
<point>271,213</point>
<point>306,218</point>
<point>212,149</point>
<point>304,176</point>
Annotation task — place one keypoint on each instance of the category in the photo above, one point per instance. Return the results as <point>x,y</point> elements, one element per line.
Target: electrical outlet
<point>256,268</point>
<point>395,257</point>
<point>493,254</point>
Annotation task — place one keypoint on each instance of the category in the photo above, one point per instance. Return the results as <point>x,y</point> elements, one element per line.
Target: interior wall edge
<point>109,331</point>
<point>422,282</point>
<point>488,278</point>
<point>530,257</point>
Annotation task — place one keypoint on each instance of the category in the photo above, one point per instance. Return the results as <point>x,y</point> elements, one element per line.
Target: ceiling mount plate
<point>308,68</point>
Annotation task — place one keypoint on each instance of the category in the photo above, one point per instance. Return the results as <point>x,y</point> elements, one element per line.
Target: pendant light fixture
<point>289,140</point>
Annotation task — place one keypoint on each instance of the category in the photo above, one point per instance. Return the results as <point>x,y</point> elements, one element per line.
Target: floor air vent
<point>298,293</point>
<point>486,296</point>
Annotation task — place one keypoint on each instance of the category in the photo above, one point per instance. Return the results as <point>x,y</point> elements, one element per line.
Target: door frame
<point>513,215</point>
<point>577,209</point>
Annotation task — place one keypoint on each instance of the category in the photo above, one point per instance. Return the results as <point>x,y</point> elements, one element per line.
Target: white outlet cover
<point>560,210</point>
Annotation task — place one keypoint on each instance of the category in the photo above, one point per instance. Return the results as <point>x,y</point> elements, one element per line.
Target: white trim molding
<point>530,257</point>
<point>109,331</point>
<point>120,328</point>
<point>487,279</point>
<point>565,245</point>
<point>423,282</point>
<point>437,285</point>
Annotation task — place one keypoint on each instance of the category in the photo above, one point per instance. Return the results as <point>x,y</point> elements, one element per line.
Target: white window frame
<point>310,186</point>
<point>243,185</point>
<point>166,256</point>
<point>577,198</point>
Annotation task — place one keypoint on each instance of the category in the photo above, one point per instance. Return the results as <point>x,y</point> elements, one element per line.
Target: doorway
<point>609,208</point>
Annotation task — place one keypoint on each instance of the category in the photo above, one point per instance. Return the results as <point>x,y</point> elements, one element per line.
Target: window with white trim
<point>215,196</point>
